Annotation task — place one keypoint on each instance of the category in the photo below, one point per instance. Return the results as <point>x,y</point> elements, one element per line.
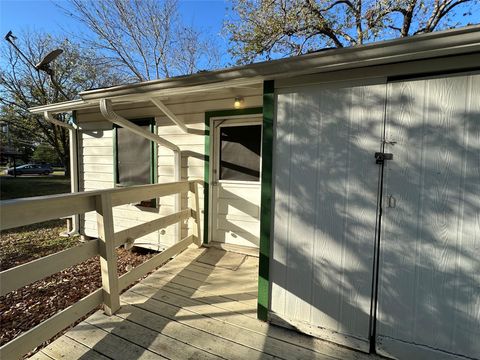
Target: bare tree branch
<point>145,37</point>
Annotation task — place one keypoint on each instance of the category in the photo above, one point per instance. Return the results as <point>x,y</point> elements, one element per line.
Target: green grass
<point>30,242</point>
<point>34,185</point>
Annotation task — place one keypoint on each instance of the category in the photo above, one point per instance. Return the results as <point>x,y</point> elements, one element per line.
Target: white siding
<point>325,206</point>
<point>326,185</point>
<point>96,155</point>
<point>430,272</point>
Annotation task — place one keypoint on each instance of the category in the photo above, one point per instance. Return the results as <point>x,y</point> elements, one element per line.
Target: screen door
<point>236,181</point>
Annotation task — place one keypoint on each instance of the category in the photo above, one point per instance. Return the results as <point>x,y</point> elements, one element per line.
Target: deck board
<point>57,349</point>
<point>190,310</point>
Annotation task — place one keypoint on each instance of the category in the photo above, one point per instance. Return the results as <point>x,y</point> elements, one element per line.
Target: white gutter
<point>110,115</point>
<point>72,135</point>
<point>424,46</point>
<point>419,47</point>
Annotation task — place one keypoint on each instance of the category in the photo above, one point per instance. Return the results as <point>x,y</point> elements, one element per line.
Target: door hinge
<point>380,157</point>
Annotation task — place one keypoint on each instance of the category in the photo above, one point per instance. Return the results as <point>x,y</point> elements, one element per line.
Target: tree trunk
<point>66,164</point>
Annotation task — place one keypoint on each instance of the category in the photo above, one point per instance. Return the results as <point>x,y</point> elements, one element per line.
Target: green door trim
<point>266,201</point>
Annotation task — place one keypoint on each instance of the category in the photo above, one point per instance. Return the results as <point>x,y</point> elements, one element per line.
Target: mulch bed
<point>28,306</point>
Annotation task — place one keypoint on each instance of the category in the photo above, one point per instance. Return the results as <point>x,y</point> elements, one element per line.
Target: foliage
<point>45,153</point>
<point>146,39</point>
<point>22,87</point>
<point>13,138</point>
<point>262,29</point>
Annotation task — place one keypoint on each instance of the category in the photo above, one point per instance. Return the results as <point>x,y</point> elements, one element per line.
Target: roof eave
<point>64,106</point>
<point>442,43</point>
<point>437,44</point>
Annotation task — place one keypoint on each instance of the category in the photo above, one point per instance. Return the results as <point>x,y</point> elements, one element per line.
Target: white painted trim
<point>110,115</point>
<point>60,107</point>
<point>235,120</point>
<point>159,104</point>
<point>211,163</point>
<point>239,182</point>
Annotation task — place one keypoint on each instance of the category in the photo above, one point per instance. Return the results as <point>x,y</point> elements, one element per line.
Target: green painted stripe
<point>206,173</point>
<point>266,202</point>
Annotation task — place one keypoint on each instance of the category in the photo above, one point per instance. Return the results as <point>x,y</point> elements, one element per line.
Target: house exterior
<point>352,173</point>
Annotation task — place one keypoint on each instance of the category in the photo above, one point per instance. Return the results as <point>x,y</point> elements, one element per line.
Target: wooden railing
<point>20,212</point>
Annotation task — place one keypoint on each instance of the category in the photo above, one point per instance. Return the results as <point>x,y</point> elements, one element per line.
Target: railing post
<point>108,255</point>
<point>194,188</point>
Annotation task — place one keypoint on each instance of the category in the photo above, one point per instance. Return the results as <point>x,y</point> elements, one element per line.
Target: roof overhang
<point>432,45</point>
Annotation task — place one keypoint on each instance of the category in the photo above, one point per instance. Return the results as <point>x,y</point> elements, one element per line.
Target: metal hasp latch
<point>380,157</point>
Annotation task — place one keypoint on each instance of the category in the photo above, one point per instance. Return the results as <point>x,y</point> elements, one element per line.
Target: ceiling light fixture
<point>238,102</point>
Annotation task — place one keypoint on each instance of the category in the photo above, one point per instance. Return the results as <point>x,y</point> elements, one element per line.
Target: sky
<point>45,15</point>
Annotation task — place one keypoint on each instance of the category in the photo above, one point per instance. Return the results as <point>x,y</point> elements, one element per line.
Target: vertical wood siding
<point>430,242</point>
<point>325,208</point>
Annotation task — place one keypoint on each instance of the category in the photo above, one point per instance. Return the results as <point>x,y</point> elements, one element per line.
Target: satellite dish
<point>43,65</point>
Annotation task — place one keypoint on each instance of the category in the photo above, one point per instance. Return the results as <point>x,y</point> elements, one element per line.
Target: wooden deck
<point>191,310</point>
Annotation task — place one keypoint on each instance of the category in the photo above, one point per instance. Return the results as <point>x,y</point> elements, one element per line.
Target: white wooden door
<point>429,291</point>
<point>236,181</point>
<point>325,209</point>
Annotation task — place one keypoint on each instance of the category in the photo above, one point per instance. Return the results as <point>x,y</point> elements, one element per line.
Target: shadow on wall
<point>326,185</point>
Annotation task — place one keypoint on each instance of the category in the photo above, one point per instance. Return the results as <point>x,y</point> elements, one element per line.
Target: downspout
<point>73,151</point>
<point>72,134</point>
<point>110,115</point>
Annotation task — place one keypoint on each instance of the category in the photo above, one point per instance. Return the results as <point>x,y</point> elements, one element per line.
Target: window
<point>135,157</point>
<point>240,152</point>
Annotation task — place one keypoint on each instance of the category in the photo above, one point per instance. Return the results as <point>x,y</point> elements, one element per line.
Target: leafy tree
<point>45,153</point>
<point>146,39</point>
<point>13,139</point>
<point>261,29</point>
<point>22,87</point>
